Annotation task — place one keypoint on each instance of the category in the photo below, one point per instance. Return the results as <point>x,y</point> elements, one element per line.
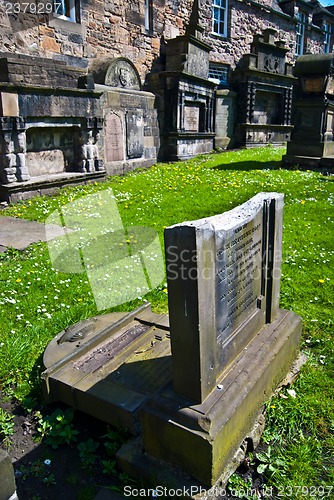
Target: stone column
<point>251,91</point>
<point>89,160</point>
<point>8,158</point>
<point>21,149</point>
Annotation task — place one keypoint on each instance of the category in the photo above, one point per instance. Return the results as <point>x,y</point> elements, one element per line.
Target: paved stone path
<point>19,233</point>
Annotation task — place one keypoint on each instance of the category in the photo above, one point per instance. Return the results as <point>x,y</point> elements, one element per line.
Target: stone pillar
<point>13,150</point>
<point>8,158</point>
<point>89,160</point>
<point>21,149</point>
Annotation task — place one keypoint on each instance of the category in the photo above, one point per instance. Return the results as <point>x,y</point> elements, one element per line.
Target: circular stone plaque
<point>122,73</point>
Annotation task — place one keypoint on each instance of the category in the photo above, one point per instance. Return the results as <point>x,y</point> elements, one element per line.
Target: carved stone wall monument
<point>185,95</point>
<point>49,127</point>
<point>264,84</point>
<point>131,134</point>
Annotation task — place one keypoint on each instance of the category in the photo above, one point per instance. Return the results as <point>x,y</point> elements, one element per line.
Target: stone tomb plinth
<point>192,399</point>
<point>312,141</point>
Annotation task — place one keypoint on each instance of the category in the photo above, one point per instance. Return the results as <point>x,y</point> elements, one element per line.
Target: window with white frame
<point>300,33</point>
<point>219,72</point>
<point>219,17</point>
<point>148,15</point>
<point>327,38</point>
<point>65,9</point>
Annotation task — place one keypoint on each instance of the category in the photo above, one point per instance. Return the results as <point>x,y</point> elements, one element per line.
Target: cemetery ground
<point>55,452</point>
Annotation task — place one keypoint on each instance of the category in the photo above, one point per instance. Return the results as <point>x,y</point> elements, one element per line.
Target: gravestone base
<point>317,163</point>
<point>108,365</point>
<point>122,167</point>
<point>202,439</point>
<point>47,184</point>
<point>185,145</point>
<point>133,460</point>
<point>257,135</point>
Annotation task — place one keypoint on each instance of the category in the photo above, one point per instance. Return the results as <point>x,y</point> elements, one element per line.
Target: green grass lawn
<point>37,301</point>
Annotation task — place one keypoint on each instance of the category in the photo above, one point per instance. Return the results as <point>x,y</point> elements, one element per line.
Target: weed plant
<point>6,426</point>
<point>37,302</point>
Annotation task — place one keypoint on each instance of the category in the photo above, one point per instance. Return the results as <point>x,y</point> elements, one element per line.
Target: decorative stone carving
<point>264,102</point>
<point>122,73</point>
<point>13,149</point>
<point>90,161</point>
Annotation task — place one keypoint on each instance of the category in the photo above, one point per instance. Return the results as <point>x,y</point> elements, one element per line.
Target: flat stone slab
<point>19,233</point>
<point>47,184</point>
<point>109,365</point>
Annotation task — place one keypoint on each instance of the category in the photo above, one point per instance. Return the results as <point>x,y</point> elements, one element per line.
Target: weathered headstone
<point>231,344</point>
<point>191,118</point>
<point>135,134</point>
<point>222,290</point>
<point>114,137</point>
<point>230,347</point>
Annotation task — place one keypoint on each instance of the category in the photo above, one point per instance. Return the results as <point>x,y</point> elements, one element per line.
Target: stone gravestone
<point>230,347</point>
<point>135,134</point>
<point>191,118</point>
<point>231,344</point>
<point>220,274</point>
<point>115,135</point>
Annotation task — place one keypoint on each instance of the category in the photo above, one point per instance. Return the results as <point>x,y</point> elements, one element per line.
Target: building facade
<point>101,57</point>
<point>80,32</point>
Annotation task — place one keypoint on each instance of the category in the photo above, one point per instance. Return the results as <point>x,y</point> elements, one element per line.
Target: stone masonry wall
<point>114,28</point>
<point>248,19</point>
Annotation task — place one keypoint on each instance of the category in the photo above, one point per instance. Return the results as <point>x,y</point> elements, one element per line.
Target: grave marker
<point>222,288</point>
<point>231,346</point>
<point>134,134</point>
<point>114,137</point>
<point>191,118</point>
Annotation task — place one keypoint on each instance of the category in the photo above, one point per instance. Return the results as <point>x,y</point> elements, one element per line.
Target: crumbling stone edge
<point>8,486</point>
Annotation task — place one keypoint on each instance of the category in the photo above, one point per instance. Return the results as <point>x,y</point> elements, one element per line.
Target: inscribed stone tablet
<point>223,276</point>
<point>135,134</point>
<point>191,118</point>
<point>114,138</point>
<point>238,273</point>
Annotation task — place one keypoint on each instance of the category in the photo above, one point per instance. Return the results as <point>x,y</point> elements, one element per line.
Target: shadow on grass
<point>250,165</point>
